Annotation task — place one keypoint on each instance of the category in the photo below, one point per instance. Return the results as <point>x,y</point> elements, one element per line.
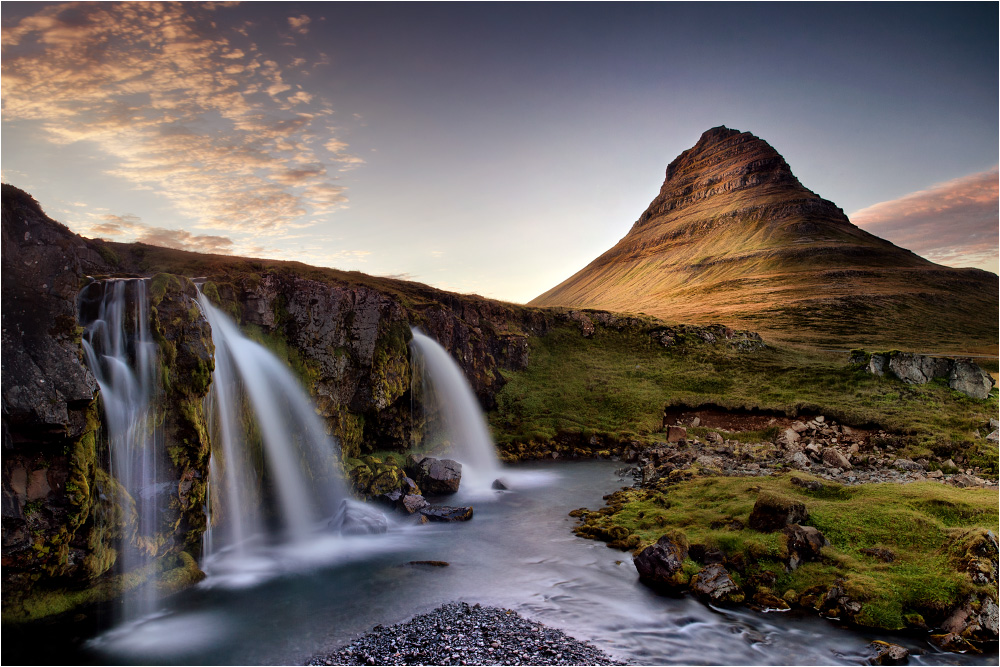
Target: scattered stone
<point>968,378</point>
<point>444,513</point>
<point>835,459</point>
<point>799,461</point>
<point>773,512</point>
<point>662,564</point>
<point>696,422</point>
<point>908,465</point>
<point>457,633</point>
<point>715,584</point>
<point>676,433</point>
<point>438,477</point>
<point>884,653</point>
<point>965,481</point>
<point>799,427</point>
<point>808,484</point>
<point>769,602</point>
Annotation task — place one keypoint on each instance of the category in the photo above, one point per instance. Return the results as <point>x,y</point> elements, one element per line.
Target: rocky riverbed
<point>462,634</point>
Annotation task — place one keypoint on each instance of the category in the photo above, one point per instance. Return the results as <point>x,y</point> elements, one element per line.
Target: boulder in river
<point>438,477</point>
<point>884,653</point>
<point>715,584</point>
<point>354,518</point>
<point>662,564</point>
<point>445,513</point>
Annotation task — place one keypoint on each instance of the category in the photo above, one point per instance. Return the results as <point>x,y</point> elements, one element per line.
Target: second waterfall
<point>275,471</point>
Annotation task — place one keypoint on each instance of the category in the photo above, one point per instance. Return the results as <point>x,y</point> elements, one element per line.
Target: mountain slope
<point>734,237</point>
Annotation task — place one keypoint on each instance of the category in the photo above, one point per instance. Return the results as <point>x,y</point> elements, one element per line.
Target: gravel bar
<point>459,634</point>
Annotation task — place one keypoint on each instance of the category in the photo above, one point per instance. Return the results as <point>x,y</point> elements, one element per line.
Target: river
<point>518,551</point>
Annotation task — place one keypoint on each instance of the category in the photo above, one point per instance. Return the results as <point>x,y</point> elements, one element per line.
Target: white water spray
<point>267,441</point>
<point>124,359</point>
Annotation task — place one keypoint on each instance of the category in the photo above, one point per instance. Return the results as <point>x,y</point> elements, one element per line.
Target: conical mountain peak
<point>733,236</point>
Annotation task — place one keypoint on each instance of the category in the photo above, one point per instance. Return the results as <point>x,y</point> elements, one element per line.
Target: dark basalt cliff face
<point>733,236</point>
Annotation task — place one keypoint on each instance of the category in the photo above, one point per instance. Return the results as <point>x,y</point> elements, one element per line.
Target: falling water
<point>123,357</point>
<point>267,442</point>
<point>448,393</point>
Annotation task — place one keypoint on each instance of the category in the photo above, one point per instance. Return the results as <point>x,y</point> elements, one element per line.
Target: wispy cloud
<point>189,110</point>
<point>130,227</point>
<point>954,223</point>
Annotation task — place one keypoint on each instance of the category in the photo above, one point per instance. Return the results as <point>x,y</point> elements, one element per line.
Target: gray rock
<point>354,518</point>
<point>804,544</point>
<point>877,364</point>
<point>908,465</point>
<point>968,378</point>
<point>799,460</point>
<point>835,459</point>
<point>412,503</point>
<point>918,368</point>
<point>885,653</point>
<point>993,437</point>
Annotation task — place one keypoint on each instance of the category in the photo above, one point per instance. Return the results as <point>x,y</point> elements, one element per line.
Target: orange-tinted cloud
<point>188,110</point>
<point>954,223</point>
<point>130,227</point>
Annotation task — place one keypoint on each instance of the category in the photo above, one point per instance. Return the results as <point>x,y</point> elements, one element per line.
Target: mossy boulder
<point>773,512</point>
<point>662,564</point>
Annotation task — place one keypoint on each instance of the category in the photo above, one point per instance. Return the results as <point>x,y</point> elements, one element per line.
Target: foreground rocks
<point>460,634</point>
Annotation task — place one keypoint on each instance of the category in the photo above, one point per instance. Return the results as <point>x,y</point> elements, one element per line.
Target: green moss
<point>936,533</point>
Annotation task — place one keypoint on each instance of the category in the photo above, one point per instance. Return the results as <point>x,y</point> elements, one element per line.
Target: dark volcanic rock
<point>715,584</point>
<point>445,513</point>
<point>662,564</point>
<point>884,653</point>
<point>438,477</point>
<point>804,544</point>
<point>457,633</point>
<point>772,512</point>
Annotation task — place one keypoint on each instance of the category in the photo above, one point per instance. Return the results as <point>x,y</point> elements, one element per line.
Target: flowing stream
<point>518,552</point>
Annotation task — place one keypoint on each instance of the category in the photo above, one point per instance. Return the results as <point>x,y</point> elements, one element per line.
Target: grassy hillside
<point>618,382</point>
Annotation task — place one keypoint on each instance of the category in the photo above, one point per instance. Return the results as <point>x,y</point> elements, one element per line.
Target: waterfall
<point>267,444</point>
<point>124,359</point>
<point>448,396</point>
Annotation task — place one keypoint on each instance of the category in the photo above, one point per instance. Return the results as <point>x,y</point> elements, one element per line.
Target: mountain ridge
<point>733,235</point>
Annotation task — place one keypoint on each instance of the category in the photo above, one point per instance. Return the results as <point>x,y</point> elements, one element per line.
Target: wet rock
<point>769,601</point>
<point>444,513</point>
<point>884,653</point>
<point>804,544</point>
<point>662,564</point>
<point>714,583</point>
<point>430,563</point>
<point>499,485</point>
<point>974,620</point>
<point>438,477</point>
<point>354,518</point>
<point>412,504</point>
<point>773,512</point>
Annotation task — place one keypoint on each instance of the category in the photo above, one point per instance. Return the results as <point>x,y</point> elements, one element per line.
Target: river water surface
<point>285,605</point>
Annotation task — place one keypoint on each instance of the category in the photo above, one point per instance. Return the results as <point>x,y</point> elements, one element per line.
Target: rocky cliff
<point>733,236</point>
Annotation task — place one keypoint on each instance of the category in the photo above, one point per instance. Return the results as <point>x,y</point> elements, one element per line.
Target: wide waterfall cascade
<point>268,445</point>
<point>123,357</point>
<point>447,393</point>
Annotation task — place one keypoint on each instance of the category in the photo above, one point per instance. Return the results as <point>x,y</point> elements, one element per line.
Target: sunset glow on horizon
<point>488,148</point>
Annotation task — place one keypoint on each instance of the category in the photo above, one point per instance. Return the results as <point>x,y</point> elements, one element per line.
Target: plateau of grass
<point>617,383</point>
<point>928,526</point>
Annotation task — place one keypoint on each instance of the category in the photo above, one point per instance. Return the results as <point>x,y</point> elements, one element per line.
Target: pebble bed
<point>459,634</point>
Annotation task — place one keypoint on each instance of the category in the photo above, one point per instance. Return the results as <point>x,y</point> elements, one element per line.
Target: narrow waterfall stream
<point>121,354</point>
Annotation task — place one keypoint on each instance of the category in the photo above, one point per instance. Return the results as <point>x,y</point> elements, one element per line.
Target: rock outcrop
<point>734,237</point>
<point>963,375</point>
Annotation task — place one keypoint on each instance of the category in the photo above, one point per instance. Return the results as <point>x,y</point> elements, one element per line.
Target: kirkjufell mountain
<point>734,237</point>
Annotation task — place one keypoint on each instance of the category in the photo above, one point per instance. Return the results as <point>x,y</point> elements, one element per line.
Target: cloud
<point>131,228</point>
<point>187,108</point>
<point>299,24</point>
<point>954,223</point>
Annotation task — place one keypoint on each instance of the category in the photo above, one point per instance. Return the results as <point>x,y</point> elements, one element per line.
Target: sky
<point>488,148</point>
